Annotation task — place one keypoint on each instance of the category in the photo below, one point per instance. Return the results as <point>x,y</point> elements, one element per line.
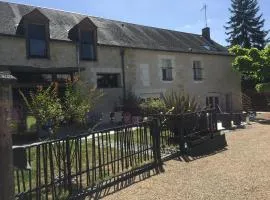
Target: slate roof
<point>110,32</point>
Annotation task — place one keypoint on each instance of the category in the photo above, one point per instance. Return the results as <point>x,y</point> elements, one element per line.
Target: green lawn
<point>98,159</point>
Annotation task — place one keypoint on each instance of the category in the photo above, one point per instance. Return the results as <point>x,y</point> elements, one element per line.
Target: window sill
<point>89,60</point>
<point>38,57</point>
<point>167,81</point>
<point>198,81</point>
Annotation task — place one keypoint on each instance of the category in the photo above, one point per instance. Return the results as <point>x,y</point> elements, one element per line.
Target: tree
<point>52,111</point>
<point>254,66</point>
<point>245,27</point>
<point>46,107</point>
<point>79,99</point>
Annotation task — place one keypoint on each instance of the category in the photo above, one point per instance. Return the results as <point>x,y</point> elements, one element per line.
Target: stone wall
<point>218,77</point>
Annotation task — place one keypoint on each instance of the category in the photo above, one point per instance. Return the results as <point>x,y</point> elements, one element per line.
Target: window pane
<point>199,74</point>
<point>194,73</point>
<point>36,31</point>
<point>167,74</point>
<point>163,74</point>
<point>37,47</point>
<point>37,40</point>
<point>166,63</point>
<point>87,51</point>
<point>197,70</point>
<point>87,37</point>
<point>211,102</point>
<point>87,47</point>
<point>108,80</point>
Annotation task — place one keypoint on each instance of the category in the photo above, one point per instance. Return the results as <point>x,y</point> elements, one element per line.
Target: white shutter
<point>144,74</point>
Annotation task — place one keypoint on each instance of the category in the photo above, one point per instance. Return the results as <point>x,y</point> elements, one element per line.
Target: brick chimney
<point>206,33</point>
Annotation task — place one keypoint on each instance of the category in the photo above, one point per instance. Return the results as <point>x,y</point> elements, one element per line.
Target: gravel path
<point>241,172</point>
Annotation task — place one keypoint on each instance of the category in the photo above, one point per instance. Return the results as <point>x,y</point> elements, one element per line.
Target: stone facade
<point>219,79</point>
<point>142,67</point>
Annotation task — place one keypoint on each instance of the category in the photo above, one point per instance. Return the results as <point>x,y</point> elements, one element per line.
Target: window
<point>87,46</point>
<point>62,78</point>
<point>108,80</point>
<point>212,102</point>
<point>37,44</point>
<point>167,70</point>
<point>197,71</point>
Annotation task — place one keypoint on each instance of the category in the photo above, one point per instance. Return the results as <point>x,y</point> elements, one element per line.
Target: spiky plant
<point>180,102</point>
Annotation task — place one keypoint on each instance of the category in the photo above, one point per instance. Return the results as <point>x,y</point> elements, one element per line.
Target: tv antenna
<point>205,14</point>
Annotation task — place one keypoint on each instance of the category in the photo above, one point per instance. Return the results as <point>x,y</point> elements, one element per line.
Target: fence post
<point>6,159</point>
<point>156,145</point>
<point>215,120</point>
<point>69,178</point>
<point>180,131</point>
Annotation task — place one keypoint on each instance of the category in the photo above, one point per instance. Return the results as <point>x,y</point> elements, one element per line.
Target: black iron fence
<point>78,166</point>
<point>180,132</point>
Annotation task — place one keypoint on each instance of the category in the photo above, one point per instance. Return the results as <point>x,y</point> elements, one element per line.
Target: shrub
<point>79,99</point>
<point>263,87</point>
<point>50,111</point>
<point>152,106</point>
<point>180,102</point>
<point>45,106</point>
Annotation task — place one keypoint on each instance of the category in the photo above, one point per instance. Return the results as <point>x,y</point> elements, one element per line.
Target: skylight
<point>207,47</point>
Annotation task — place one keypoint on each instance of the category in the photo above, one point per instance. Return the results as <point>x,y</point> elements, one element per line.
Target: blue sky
<point>181,15</point>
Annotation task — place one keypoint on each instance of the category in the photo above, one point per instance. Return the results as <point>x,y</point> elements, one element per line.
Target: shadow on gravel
<point>129,179</point>
<point>189,158</point>
<point>208,148</point>
<point>263,121</point>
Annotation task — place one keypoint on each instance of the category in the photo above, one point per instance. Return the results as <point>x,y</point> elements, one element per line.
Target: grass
<point>98,159</point>
<point>31,123</point>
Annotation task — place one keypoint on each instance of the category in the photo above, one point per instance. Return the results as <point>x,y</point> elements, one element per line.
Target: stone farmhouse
<point>40,45</point>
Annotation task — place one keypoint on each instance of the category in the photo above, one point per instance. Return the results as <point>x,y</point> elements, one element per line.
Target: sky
<point>180,15</point>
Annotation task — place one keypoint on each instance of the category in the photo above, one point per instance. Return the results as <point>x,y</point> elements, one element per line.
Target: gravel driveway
<point>240,172</point>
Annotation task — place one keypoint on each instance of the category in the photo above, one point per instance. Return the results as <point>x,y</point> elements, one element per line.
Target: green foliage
<point>238,50</point>
<point>45,106</point>
<point>263,87</point>
<point>51,111</point>
<point>181,102</point>
<point>245,27</point>
<point>253,64</point>
<point>153,106</point>
<point>78,100</point>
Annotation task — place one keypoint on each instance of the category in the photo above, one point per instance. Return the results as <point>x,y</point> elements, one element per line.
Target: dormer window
<point>37,42</point>
<point>34,26</point>
<point>85,35</point>
<point>87,48</point>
